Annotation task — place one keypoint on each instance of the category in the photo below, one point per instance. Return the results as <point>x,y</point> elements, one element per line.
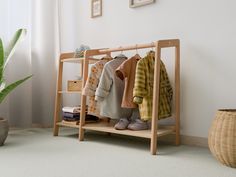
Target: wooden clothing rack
<point>155,130</point>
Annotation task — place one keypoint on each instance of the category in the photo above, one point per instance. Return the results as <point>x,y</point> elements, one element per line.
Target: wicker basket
<point>74,85</point>
<point>222,137</point>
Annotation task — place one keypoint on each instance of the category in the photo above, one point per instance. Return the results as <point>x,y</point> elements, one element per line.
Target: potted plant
<point>5,55</point>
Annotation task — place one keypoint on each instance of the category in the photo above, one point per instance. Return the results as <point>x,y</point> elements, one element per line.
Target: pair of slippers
<point>135,125</point>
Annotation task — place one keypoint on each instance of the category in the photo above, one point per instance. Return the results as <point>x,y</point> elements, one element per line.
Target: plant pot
<point>3,130</point>
<point>222,137</point>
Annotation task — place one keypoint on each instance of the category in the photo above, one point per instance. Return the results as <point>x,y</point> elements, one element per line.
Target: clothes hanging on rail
<point>110,91</point>
<point>126,71</point>
<point>143,88</point>
<point>92,84</point>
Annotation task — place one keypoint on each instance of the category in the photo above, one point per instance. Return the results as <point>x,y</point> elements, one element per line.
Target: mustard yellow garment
<point>143,88</point>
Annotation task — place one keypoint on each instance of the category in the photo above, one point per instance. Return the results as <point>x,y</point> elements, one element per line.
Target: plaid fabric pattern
<point>92,84</point>
<point>143,88</point>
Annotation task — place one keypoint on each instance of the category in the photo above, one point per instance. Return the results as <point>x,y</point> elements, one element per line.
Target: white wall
<point>208,56</point>
<point>69,31</point>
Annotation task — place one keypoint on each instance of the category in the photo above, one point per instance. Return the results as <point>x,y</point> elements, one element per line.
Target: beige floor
<point>36,153</point>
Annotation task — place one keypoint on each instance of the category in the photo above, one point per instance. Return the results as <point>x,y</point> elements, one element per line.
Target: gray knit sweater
<point>110,91</point>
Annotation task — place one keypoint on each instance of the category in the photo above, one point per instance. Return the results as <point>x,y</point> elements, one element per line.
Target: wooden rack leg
<point>81,69</point>
<point>177,95</point>
<point>82,118</point>
<point>83,98</point>
<point>155,109</point>
<point>58,99</point>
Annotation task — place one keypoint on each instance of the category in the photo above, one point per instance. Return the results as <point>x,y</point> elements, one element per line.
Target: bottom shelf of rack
<point>109,128</point>
<point>68,124</point>
<point>73,124</point>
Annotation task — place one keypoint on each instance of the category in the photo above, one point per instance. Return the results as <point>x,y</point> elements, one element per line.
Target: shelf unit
<point>106,126</point>
<point>65,58</point>
<point>156,131</point>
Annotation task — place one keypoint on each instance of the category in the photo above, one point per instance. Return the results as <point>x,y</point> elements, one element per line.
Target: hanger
<point>137,56</point>
<point>121,55</point>
<point>152,51</point>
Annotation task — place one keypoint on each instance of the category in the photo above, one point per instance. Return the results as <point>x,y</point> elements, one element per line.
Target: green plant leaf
<point>2,86</point>
<point>10,87</point>
<point>1,60</point>
<point>19,36</point>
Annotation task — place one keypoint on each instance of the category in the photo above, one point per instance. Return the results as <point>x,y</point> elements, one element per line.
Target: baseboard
<point>32,126</point>
<point>186,140</point>
<point>194,141</point>
<point>41,126</point>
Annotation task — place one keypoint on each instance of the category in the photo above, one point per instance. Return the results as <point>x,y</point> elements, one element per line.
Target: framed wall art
<point>138,3</point>
<point>96,8</point>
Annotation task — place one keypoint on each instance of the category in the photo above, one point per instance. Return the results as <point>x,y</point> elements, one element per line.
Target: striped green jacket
<point>143,88</point>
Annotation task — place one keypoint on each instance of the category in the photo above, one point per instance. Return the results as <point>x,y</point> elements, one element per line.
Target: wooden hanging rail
<point>161,43</point>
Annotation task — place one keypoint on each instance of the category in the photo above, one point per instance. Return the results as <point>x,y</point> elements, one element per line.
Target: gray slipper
<point>138,124</point>
<point>122,124</point>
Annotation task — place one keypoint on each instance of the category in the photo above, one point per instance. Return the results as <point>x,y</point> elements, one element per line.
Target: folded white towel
<point>71,109</point>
